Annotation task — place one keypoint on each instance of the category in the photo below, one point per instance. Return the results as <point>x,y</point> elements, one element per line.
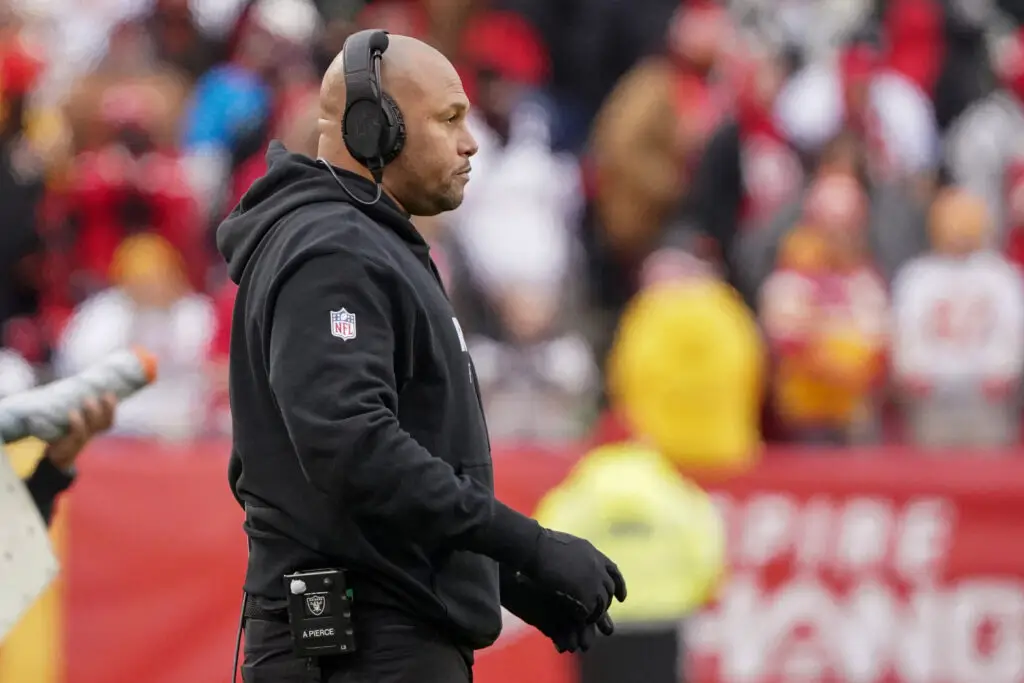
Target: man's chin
<point>441,204</point>
<point>452,201</point>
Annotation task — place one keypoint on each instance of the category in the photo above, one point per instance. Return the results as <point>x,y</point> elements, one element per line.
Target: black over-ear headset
<point>372,125</point>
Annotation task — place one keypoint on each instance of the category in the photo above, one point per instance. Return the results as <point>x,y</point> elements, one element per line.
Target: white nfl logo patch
<point>343,324</point>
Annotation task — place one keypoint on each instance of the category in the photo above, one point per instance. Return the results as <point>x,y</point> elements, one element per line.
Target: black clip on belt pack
<point>320,613</point>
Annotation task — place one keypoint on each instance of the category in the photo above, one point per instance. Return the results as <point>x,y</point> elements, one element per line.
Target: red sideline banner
<point>873,567</point>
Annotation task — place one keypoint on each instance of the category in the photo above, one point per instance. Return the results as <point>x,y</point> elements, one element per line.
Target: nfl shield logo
<point>343,324</point>
<point>315,604</point>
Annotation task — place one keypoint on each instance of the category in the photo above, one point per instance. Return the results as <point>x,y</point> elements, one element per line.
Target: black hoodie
<point>359,438</point>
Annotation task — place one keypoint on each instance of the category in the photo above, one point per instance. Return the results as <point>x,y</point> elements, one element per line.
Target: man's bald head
<point>429,175</point>
<point>409,69</point>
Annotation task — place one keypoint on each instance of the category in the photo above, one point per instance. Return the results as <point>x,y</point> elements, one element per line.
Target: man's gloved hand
<point>557,562</point>
<point>577,571</point>
<point>558,618</point>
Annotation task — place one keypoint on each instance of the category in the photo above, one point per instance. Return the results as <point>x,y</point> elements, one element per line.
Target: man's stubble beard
<point>453,199</point>
<point>447,200</point>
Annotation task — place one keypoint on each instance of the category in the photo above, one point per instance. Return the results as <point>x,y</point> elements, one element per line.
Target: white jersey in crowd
<point>810,111</point>
<point>981,145</point>
<point>958,322</point>
<point>514,225</point>
<point>175,405</point>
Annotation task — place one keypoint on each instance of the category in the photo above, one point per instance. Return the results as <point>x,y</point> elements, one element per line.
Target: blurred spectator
<point>442,23</point>
<point>513,241</point>
<point>825,313</point>
<point>984,148</point>
<point>231,110</point>
<point>644,145</point>
<point>150,305</point>
<point>880,95</point>
<point>808,30</point>
<point>80,35</point>
<point>21,65</point>
<point>22,168</point>
<point>20,256</point>
<point>894,228</point>
<point>748,170</point>
<point>593,44</point>
<point>706,138</point>
<point>295,125</point>
<point>178,39</point>
<point>518,183</point>
<point>649,131</point>
<point>914,40</point>
<point>135,182</point>
<point>662,530</point>
<point>966,75</point>
<point>958,347</point>
<point>686,372</point>
<point>96,103</point>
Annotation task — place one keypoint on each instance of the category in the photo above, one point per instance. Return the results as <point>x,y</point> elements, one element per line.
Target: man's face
<point>958,225</point>
<point>156,289</point>
<point>430,175</point>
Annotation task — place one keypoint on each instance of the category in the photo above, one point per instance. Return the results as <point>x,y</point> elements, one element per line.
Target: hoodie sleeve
<point>339,401</point>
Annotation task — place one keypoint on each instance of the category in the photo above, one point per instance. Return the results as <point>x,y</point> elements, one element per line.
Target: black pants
<point>385,653</point>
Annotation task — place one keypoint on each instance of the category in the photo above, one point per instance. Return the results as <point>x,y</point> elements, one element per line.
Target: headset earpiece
<point>362,130</point>
<point>393,139</point>
<point>372,126</point>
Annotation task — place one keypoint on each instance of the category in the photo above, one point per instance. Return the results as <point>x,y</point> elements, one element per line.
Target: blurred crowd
<point>850,172</point>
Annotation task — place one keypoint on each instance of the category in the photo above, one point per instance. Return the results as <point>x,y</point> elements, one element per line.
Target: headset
<point>372,126</point>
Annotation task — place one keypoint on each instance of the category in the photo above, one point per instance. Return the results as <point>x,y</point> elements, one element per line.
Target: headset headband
<point>359,56</point>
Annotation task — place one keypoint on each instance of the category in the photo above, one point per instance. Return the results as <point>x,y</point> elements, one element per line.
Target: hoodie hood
<point>291,182</point>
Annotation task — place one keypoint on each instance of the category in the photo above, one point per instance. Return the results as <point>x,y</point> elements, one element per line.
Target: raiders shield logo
<point>315,604</point>
<point>343,324</point>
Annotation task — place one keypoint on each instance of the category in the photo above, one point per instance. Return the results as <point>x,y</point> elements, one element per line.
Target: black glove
<point>574,569</point>
<point>556,562</point>
<point>556,617</point>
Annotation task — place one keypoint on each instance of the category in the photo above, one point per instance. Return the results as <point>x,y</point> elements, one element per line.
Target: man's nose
<point>468,145</point>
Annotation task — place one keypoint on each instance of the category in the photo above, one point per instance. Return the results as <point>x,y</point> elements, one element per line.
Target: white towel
<point>27,561</point>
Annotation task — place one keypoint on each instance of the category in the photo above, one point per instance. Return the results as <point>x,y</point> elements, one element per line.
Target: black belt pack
<point>320,612</point>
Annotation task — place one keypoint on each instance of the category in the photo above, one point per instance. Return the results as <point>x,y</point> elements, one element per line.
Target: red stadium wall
<point>874,567</point>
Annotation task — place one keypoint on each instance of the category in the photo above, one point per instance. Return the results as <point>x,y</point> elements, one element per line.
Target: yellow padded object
<point>686,371</point>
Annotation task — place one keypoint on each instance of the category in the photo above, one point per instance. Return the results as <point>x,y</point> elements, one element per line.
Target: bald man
<point>359,439</point>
